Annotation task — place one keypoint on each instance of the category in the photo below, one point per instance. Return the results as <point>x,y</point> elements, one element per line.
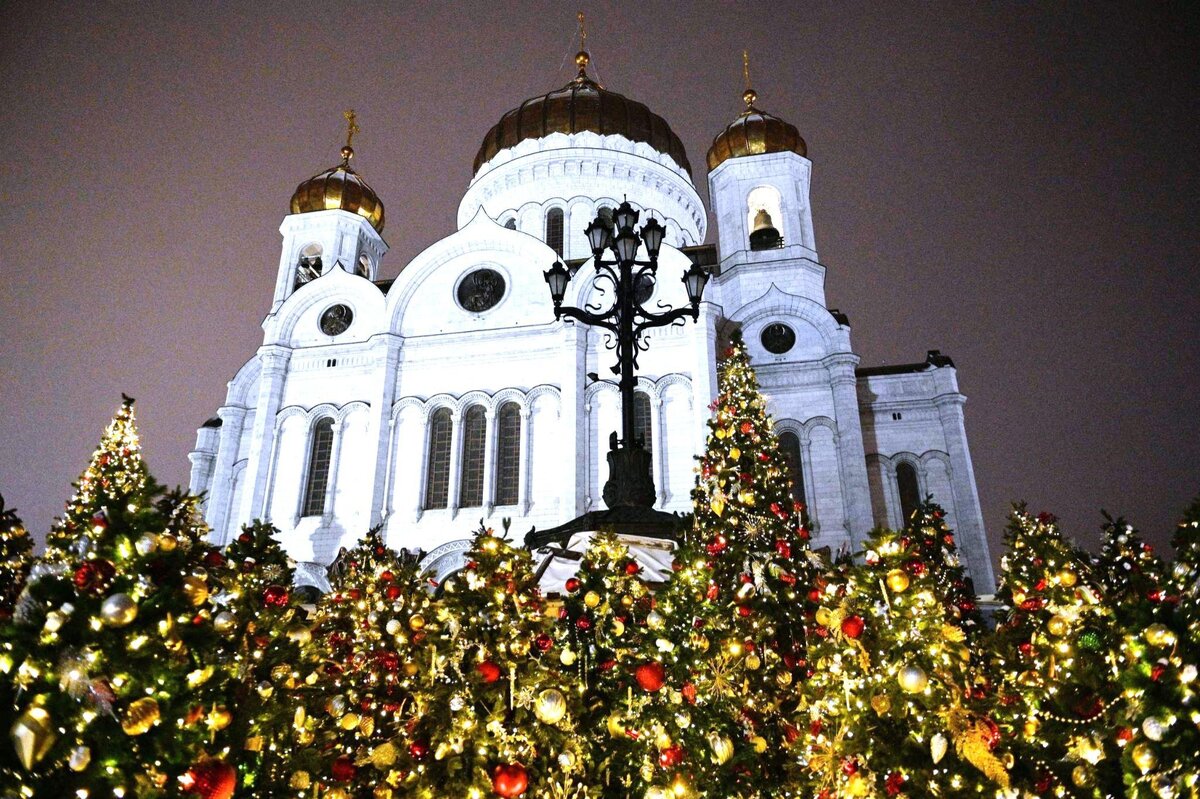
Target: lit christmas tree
<point>106,655</point>
<point>889,706</point>
<point>1131,576</point>
<point>1055,657</point>
<point>931,540</point>
<point>607,606</point>
<point>16,556</point>
<point>1161,681</point>
<point>500,716</point>
<point>369,662</point>
<point>730,649</point>
<point>262,626</point>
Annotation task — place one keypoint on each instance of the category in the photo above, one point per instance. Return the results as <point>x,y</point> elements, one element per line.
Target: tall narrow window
<point>511,224</point>
<point>470,485</point>
<point>437,476</point>
<point>910,490</point>
<point>554,230</point>
<point>641,420</point>
<point>318,467</point>
<point>789,448</point>
<point>508,454</point>
<point>308,265</point>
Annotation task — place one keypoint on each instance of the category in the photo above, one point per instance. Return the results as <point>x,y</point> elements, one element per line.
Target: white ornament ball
<point>118,610</point>
<point>1154,728</point>
<point>913,679</point>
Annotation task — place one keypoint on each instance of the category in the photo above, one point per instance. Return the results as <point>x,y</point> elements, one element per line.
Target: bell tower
<point>335,223</point>
<point>758,177</point>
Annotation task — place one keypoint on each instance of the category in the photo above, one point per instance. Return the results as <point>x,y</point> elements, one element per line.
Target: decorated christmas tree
<point>370,666</point>
<point>730,642</point>
<point>106,655</point>
<point>262,627</point>
<point>930,539</point>
<point>604,616</point>
<point>889,708</point>
<point>500,716</point>
<point>1185,573</point>
<point>1055,656</point>
<point>16,556</point>
<point>1132,578</point>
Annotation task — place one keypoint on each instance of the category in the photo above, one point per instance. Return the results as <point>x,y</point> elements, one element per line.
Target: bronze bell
<point>764,236</point>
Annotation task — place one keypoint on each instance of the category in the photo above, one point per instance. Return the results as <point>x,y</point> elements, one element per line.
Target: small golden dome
<point>582,105</point>
<point>754,132</point>
<point>339,188</point>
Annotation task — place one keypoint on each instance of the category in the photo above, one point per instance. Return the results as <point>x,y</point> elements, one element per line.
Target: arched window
<point>308,265</point>
<point>511,224</point>
<point>909,488</point>
<point>364,267</point>
<point>789,448</point>
<point>437,475</point>
<point>508,454</point>
<point>641,420</point>
<point>470,481</point>
<point>317,482</point>
<point>554,230</point>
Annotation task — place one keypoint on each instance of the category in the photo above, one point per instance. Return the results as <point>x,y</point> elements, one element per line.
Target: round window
<point>778,338</point>
<point>481,290</point>
<point>336,319</point>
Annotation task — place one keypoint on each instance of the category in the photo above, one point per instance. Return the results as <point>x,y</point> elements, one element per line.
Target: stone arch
<point>445,559</point>
<point>815,422</point>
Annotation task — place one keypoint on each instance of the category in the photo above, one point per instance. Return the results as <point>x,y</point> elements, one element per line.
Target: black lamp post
<point>630,483</point>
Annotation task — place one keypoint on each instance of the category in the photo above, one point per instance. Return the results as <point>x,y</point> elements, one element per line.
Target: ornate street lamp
<point>630,483</point>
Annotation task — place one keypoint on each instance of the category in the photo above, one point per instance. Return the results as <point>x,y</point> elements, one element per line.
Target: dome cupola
<point>340,188</point>
<point>754,132</point>
<point>582,105</point>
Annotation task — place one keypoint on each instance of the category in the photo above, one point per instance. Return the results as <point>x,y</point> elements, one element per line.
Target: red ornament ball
<point>583,623</point>
<point>489,671</point>
<point>650,676</point>
<point>210,779</point>
<point>632,568</point>
<point>747,428</point>
<point>852,626</point>
<point>744,611</point>
<point>213,559</point>
<point>245,538</point>
<point>543,642</point>
<point>355,594</point>
<point>393,592</point>
<point>275,596</point>
<point>572,584</point>
<point>671,756</point>
<point>386,576</point>
<point>94,575</point>
<point>343,769</point>
<point>418,750</point>
<point>509,780</point>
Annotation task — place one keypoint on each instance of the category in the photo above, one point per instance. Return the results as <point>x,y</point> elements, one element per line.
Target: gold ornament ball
<point>897,580</point>
<point>655,792</point>
<point>759,743</point>
<point>722,748</point>
<point>747,498</point>
<point>753,662</point>
<point>566,760</point>
<point>857,785</point>
<point>336,793</point>
<point>616,726</point>
<point>567,657</point>
<point>416,622</point>
<point>1159,635</point>
<point>224,622</point>
<point>1081,775</point>
<point>195,589</point>
<point>265,689</point>
<point>913,678</point>
<point>348,722</point>
<point>220,717</point>
<point>1144,756</point>
<point>550,707</point>
<point>393,626</point>
<point>618,627</point>
<point>626,600</point>
<point>140,716</point>
<point>79,758</point>
<point>300,780</point>
<point>783,679</point>
<point>1067,577</point>
<point>654,620</point>
<point>32,735</point>
<point>881,704</point>
<point>824,617</point>
<point>54,621</point>
<point>118,610</point>
<point>1058,626</point>
<point>1031,728</point>
<point>336,705</point>
<point>167,542</point>
<point>591,599</point>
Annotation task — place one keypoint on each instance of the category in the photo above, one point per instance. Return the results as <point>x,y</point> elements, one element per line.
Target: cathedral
<point>450,392</point>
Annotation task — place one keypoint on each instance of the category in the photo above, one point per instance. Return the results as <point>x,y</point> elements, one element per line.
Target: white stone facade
<point>412,350</point>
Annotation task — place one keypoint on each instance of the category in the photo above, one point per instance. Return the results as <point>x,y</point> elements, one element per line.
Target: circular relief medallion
<point>481,290</point>
<point>336,319</point>
<point>778,338</point>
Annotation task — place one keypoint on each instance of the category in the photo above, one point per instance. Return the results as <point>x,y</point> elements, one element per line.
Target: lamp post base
<point>630,484</point>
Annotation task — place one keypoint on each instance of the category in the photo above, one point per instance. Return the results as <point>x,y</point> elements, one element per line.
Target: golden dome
<point>754,132</point>
<point>582,105</point>
<point>339,188</point>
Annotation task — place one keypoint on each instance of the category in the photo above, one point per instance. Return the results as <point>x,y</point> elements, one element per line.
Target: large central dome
<point>582,105</point>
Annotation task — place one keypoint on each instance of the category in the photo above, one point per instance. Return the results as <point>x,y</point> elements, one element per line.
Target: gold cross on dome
<point>582,32</point>
<point>351,125</point>
<point>746,67</point>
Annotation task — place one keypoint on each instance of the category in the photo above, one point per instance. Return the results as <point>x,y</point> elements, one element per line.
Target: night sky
<point>1014,184</point>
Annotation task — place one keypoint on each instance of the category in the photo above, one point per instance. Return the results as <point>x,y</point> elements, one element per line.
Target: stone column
<point>271,381</point>
<point>971,534</point>
<point>657,450</point>
<point>575,457</point>
<point>489,460</point>
<point>523,472</point>
<point>418,496</point>
<point>386,349</point>
<point>335,456</point>
<point>852,457</point>
<point>452,484</point>
<point>704,374</point>
<point>221,492</point>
